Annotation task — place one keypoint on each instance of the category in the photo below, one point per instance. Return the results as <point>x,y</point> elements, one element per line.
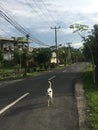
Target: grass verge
<point>91,92</point>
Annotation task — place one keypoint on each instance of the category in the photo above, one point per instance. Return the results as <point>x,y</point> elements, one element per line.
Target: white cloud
<point>77,45</point>
<point>38,16</point>
<point>66,30</point>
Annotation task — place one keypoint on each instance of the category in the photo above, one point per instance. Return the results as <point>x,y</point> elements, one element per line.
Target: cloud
<point>77,45</point>
<point>38,16</point>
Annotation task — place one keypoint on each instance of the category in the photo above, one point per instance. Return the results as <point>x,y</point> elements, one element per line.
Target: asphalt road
<point>23,104</point>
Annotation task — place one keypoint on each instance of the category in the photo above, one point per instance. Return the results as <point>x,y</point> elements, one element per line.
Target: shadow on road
<point>21,109</point>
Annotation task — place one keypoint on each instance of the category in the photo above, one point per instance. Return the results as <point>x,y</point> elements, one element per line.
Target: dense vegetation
<point>92,41</point>
<point>39,59</point>
<point>91,92</point>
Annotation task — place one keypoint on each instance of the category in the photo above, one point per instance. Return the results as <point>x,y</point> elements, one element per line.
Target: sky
<point>37,17</point>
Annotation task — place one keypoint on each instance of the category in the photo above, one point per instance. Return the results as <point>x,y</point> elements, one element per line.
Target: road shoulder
<point>81,105</point>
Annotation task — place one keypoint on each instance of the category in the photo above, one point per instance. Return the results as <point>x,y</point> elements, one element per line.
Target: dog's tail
<point>50,83</point>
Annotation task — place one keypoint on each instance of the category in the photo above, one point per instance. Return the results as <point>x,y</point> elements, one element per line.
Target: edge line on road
<point>52,77</point>
<point>13,103</point>
<point>64,71</point>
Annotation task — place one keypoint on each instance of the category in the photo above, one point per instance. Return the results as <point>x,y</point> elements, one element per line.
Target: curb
<point>81,105</point>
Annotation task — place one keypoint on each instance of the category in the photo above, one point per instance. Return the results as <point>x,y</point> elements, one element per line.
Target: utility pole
<point>27,38</point>
<point>69,53</point>
<point>56,44</point>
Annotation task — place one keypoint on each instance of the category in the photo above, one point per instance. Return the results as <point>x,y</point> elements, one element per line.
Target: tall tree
<point>92,40</point>
<point>62,55</point>
<point>81,30</point>
<point>44,56</point>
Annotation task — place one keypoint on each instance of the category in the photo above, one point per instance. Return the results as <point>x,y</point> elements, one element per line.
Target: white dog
<point>50,94</point>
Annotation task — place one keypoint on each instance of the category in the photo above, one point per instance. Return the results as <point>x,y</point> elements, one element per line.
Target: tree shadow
<point>23,108</point>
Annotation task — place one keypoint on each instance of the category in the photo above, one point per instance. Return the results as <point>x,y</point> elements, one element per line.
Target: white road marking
<point>52,77</point>
<point>64,71</point>
<point>13,103</point>
<point>5,83</point>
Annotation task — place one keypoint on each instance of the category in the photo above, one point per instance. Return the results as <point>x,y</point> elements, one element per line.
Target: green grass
<point>91,92</point>
<point>9,73</point>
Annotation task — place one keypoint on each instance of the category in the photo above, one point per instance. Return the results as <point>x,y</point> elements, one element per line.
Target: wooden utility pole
<point>27,38</point>
<point>69,53</point>
<point>56,44</point>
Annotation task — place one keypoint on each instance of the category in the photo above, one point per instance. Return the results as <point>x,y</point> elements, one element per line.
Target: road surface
<point>23,104</point>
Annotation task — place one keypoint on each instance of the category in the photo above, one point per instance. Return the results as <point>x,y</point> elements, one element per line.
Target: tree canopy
<point>92,41</point>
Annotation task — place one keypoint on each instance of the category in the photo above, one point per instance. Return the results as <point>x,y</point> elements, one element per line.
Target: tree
<point>18,58</point>
<point>92,40</point>
<point>44,57</point>
<point>25,58</point>
<point>62,55</point>
<point>79,28</point>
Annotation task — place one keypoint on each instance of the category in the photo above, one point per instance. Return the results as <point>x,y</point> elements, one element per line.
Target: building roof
<point>13,39</point>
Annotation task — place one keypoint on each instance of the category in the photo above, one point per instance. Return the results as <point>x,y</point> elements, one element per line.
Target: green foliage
<point>68,55</point>
<point>90,50</point>
<point>91,92</point>
<point>7,64</point>
<point>78,27</point>
<point>44,56</point>
<point>91,43</point>
<point>62,54</point>
<point>1,55</point>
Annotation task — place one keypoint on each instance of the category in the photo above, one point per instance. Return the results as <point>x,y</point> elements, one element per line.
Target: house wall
<point>53,58</point>
<point>9,44</point>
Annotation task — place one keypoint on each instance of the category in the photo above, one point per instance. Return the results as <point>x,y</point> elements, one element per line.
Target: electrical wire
<point>10,20</point>
<point>41,14</point>
<point>54,21</point>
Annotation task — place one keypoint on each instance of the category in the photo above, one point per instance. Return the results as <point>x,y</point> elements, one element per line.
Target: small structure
<point>53,58</point>
<point>9,44</point>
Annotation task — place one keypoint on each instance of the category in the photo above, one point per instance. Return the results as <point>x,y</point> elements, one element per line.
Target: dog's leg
<point>51,100</point>
<point>48,103</point>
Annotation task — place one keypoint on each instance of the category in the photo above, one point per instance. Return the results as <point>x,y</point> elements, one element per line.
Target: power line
<point>49,12</point>
<point>10,20</point>
<point>41,14</point>
<point>41,8</point>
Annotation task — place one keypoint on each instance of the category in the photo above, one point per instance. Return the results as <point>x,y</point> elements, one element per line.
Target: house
<point>53,57</point>
<point>9,44</point>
